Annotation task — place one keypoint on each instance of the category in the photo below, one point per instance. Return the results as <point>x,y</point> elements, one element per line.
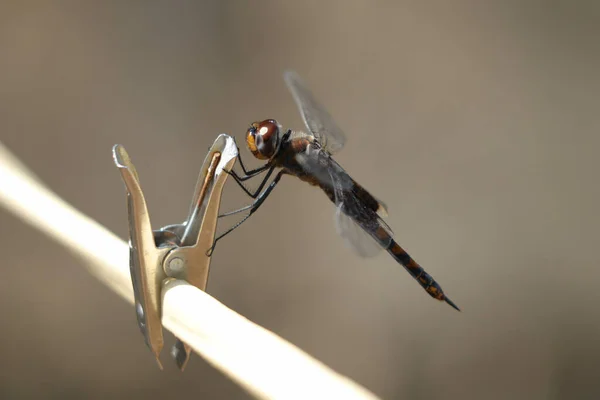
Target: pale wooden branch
<point>264,364</point>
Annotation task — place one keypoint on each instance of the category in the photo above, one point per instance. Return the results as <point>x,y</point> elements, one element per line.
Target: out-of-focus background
<point>476,122</point>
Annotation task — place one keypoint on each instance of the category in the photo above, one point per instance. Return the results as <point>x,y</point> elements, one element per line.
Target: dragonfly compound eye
<point>263,138</point>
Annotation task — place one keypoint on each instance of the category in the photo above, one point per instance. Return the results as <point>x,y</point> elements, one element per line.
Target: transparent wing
<point>354,236</point>
<point>356,223</point>
<point>317,120</point>
<point>382,211</point>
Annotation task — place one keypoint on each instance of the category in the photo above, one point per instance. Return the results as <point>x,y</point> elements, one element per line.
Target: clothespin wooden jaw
<point>177,251</point>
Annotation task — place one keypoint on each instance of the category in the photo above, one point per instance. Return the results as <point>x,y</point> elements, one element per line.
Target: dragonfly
<point>308,156</point>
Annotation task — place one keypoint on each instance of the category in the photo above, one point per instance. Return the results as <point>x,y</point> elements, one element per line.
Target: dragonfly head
<point>263,138</point>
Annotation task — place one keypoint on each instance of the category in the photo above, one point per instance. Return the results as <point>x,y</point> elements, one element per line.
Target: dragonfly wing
<point>382,211</point>
<point>354,236</point>
<point>356,223</point>
<point>317,120</point>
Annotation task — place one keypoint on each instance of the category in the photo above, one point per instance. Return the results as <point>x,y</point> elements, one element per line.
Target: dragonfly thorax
<point>263,138</point>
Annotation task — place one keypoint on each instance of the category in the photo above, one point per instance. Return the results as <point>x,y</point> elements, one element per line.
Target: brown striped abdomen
<point>425,280</point>
<point>319,169</point>
<point>413,268</point>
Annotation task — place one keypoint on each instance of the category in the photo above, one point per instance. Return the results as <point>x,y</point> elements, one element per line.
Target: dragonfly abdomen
<point>425,280</point>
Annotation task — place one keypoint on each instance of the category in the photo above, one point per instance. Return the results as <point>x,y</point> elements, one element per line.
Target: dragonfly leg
<point>260,187</point>
<point>239,210</point>
<point>247,173</point>
<point>239,157</point>
<point>252,207</point>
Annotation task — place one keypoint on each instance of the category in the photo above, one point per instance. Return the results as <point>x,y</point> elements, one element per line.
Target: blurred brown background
<point>477,123</point>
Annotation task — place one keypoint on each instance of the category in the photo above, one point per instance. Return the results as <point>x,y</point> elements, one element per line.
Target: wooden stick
<point>264,364</point>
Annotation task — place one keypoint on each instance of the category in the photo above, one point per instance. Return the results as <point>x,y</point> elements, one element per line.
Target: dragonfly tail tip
<point>451,303</point>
